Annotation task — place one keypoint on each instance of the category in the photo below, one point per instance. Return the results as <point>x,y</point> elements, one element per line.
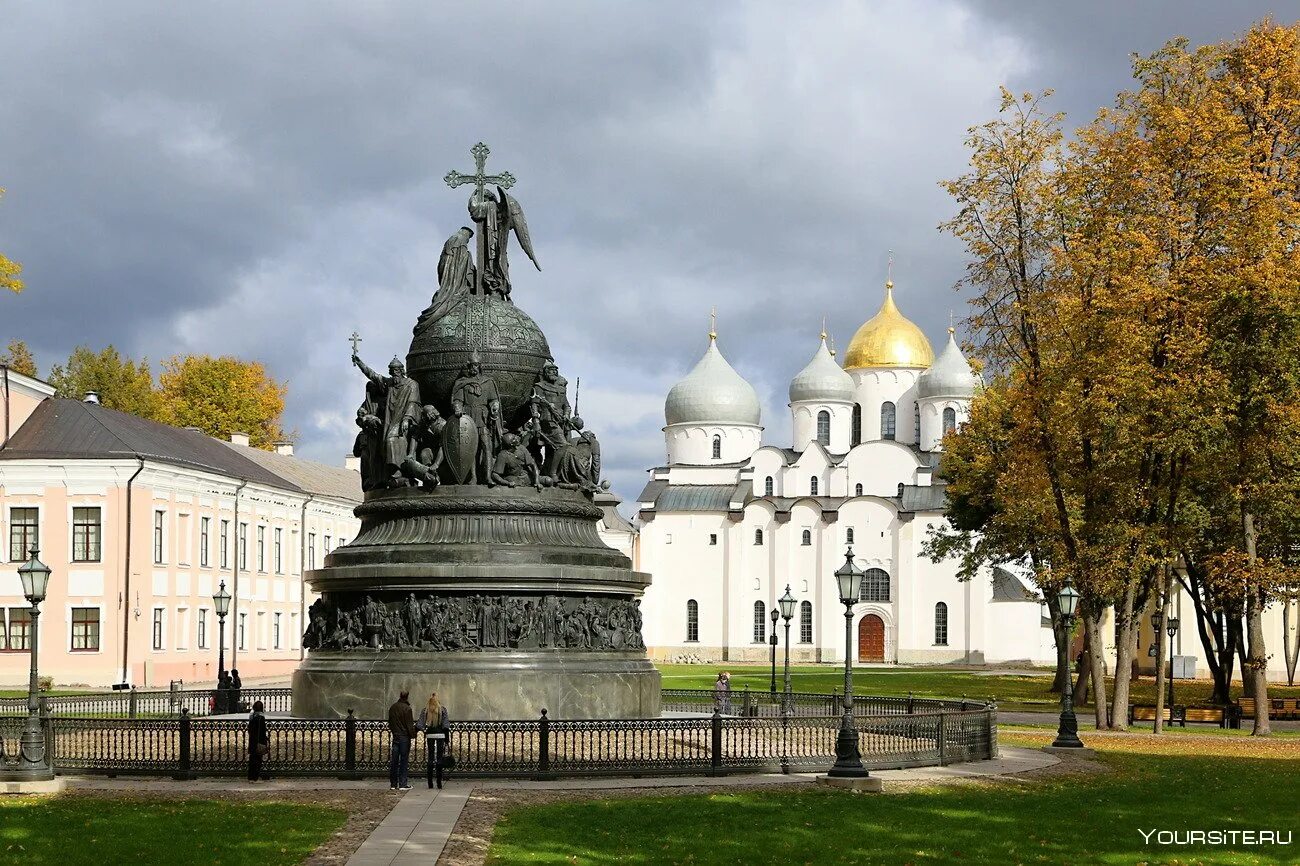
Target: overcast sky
<point>261,179</point>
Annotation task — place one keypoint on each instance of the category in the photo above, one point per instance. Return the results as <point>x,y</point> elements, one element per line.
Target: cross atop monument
<point>480,152</point>
<point>354,339</point>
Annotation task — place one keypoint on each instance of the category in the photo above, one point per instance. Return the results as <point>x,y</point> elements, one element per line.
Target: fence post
<point>943,746</point>
<point>130,705</point>
<point>910,704</point>
<point>716,745</point>
<point>350,746</point>
<point>183,770</point>
<point>543,746</point>
<point>963,703</point>
<point>836,709</point>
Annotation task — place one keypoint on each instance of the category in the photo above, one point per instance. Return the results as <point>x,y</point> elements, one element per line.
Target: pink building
<point>140,523</point>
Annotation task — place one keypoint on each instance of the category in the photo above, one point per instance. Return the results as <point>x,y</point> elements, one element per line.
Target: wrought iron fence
<point>137,703</point>
<point>185,746</point>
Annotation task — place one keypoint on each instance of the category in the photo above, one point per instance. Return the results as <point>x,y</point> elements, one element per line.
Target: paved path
<point>1086,722</point>
<point>418,827</point>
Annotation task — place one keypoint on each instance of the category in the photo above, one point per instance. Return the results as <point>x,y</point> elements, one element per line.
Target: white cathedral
<point>728,523</point>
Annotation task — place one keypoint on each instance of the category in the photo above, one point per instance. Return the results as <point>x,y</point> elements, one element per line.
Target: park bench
<point>1181,715</point>
<point>1279,708</point>
<point>1147,713</point>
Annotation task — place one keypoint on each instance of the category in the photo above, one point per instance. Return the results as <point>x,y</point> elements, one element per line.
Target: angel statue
<point>496,216</point>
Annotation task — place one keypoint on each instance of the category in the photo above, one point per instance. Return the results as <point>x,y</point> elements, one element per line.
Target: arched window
<point>760,622</point>
<point>949,420</point>
<point>824,427</point>
<point>857,490</point>
<point>857,424</point>
<point>807,537</point>
<point>941,624</point>
<point>767,486</point>
<point>692,620</point>
<point>887,420</point>
<point>717,447</point>
<point>916,422</point>
<point>812,486</point>
<point>875,585</point>
<point>805,622</point>
<point>848,535</point>
<point>758,536</point>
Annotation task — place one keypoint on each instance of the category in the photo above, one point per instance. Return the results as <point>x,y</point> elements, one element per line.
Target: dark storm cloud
<point>261,179</point>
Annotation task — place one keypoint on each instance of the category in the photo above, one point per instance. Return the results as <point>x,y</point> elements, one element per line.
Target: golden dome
<point>888,339</point>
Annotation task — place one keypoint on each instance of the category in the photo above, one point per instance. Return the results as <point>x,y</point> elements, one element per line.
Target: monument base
<point>480,685</point>
<point>858,785</point>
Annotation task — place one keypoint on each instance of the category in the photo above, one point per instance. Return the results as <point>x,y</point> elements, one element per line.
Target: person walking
<point>259,742</point>
<point>236,689</point>
<point>722,693</point>
<point>433,721</point>
<point>401,724</point>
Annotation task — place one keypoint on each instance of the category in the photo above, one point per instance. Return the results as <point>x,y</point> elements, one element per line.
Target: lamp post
<point>771,640</point>
<point>1171,629</point>
<point>848,760</point>
<point>1067,734</point>
<point>787,603</point>
<point>221,601</point>
<point>33,765</point>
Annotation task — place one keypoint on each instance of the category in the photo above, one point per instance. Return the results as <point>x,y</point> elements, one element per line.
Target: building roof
<point>1007,586</point>
<point>70,429</point>
<point>608,503</point>
<point>694,497</point>
<point>915,497</point>
<point>61,429</point>
<point>315,478</point>
<point>712,393</point>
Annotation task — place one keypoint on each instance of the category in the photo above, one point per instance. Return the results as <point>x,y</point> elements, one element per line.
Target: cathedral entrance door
<point>871,639</point>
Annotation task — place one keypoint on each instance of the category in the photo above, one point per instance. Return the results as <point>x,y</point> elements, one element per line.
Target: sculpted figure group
<point>429,622</point>
<point>403,442</point>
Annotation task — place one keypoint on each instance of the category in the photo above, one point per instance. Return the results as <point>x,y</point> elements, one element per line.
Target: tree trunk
<point>1062,638</point>
<point>1125,641</point>
<point>1209,628</point>
<point>1097,665</point>
<point>1081,678</point>
<point>1254,670</point>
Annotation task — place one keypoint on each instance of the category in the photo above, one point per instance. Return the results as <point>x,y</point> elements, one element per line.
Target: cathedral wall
<point>873,387</point>
<point>879,467</point>
<point>804,417</point>
<point>932,419</point>
<point>684,565</point>
<point>693,443</point>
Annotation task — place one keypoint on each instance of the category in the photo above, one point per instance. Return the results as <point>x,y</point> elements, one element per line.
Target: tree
<point>18,357</point>
<point>9,271</point>
<point>121,383</point>
<point>221,396</point>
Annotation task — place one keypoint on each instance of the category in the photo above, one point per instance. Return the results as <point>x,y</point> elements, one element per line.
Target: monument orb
<point>478,571</point>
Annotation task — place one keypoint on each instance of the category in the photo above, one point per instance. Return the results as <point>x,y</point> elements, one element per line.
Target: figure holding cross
<point>495,216</point>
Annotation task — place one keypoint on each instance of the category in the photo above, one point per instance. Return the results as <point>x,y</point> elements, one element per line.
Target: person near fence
<point>722,693</point>
<point>236,690</point>
<point>401,724</point>
<point>259,742</point>
<point>433,721</point>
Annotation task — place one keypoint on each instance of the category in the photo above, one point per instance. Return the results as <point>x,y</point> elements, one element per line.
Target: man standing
<point>400,410</point>
<point>401,723</point>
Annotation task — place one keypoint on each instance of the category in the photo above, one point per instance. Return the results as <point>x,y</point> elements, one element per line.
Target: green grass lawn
<point>1013,692</point>
<point>66,829</point>
<point>1169,783</point>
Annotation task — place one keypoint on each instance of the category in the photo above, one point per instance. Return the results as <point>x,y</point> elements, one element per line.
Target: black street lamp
<point>771,640</point>
<point>1171,629</point>
<point>848,760</point>
<point>33,763</point>
<point>221,601</point>
<point>1067,735</point>
<point>787,603</point>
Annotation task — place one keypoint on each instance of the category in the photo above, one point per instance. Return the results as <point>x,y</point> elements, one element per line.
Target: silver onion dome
<point>712,393</point>
<point>822,379</point>
<point>950,375</point>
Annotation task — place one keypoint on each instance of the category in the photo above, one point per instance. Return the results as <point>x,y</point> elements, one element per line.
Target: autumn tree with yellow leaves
<point>1135,292</point>
<point>221,396</point>
<point>9,270</point>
